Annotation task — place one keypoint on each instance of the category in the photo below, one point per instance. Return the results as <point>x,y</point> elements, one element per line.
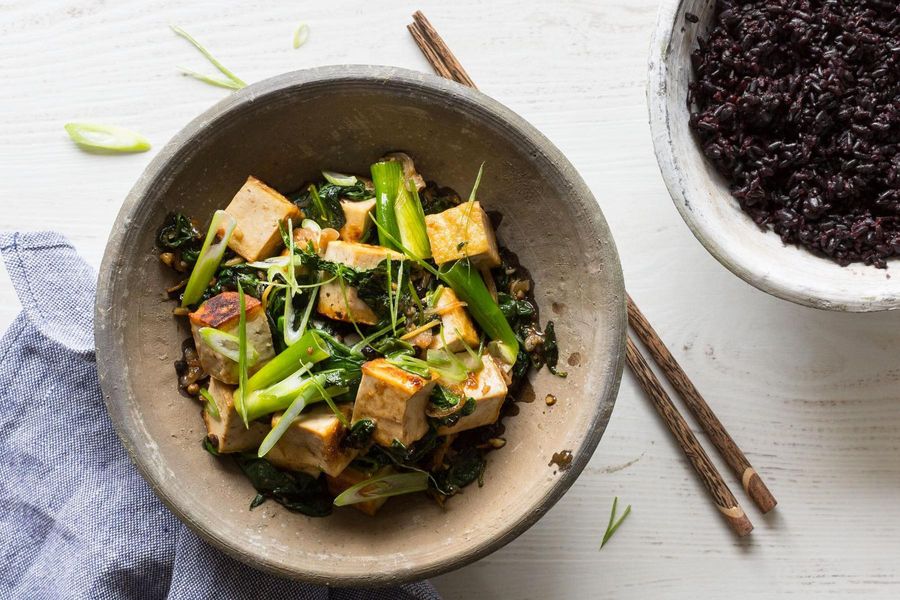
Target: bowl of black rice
<point>776,124</point>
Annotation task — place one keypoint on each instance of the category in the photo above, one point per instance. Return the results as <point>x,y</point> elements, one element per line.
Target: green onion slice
<point>310,392</point>
<point>227,344</point>
<point>311,225</point>
<point>243,375</point>
<point>237,81</point>
<point>383,486</point>
<point>211,406</point>
<point>109,138</point>
<point>301,34</point>
<point>339,179</point>
<point>209,258</point>
<point>309,349</point>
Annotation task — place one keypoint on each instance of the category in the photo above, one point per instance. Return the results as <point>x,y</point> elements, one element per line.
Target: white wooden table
<point>812,397</point>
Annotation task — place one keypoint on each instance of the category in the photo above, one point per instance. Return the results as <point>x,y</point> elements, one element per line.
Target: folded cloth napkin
<point>76,519</point>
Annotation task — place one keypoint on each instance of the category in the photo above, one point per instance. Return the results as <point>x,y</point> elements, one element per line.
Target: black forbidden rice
<point>797,104</point>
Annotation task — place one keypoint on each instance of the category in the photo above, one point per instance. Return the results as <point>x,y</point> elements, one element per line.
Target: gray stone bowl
<point>702,196</point>
<point>284,130</point>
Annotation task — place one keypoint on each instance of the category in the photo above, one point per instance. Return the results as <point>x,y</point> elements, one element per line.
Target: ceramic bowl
<point>283,131</point>
<point>702,197</point>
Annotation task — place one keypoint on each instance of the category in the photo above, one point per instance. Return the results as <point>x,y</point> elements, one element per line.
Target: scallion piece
<point>309,349</point>
<point>613,523</point>
<point>106,138</point>
<point>466,281</point>
<point>226,344</point>
<point>237,81</point>
<point>308,394</point>
<point>301,34</point>
<point>211,407</point>
<point>387,176</point>
<point>243,368</point>
<point>209,258</point>
<point>411,220</point>
<point>383,486</point>
<point>339,179</point>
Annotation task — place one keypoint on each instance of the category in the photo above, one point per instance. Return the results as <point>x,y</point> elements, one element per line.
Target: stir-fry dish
<point>356,340</point>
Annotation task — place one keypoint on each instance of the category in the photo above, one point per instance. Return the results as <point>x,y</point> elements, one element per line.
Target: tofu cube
<point>227,432</point>
<point>313,442</point>
<point>360,257</point>
<point>455,322</point>
<point>395,400</point>
<point>350,477</point>
<point>223,312</point>
<point>357,219</point>
<point>259,210</point>
<point>488,388</point>
<point>463,231</point>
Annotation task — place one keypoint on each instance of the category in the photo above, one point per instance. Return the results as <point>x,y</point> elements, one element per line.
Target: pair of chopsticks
<point>446,65</point>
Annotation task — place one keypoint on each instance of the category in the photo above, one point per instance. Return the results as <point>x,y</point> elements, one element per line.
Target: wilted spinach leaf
<point>360,433</point>
<point>551,350</point>
<point>435,199</point>
<point>178,232</point>
<point>294,490</point>
<point>464,468</point>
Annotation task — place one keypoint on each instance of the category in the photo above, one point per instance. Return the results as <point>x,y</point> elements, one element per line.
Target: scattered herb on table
<point>613,523</point>
<point>232,81</point>
<point>301,34</point>
<point>95,137</point>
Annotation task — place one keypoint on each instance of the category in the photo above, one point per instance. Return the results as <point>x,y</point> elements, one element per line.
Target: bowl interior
<point>702,197</point>
<point>283,131</point>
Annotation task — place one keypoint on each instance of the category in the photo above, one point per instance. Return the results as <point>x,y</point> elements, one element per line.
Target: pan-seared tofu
<point>357,219</point>
<point>227,432</point>
<point>395,400</point>
<point>223,312</point>
<point>360,257</point>
<point>462,231</point>
<point>259,210</point>
<point>350,477</point>
<point>488,388</point>
<point>457,326</point>
<point>313,442</point>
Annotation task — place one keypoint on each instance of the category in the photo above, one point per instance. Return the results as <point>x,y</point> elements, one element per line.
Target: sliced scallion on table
<point>383,486</point>
<point>232,81</point>
<point>301,34</point>
<point>106,138</point>
<point>209,258</point>
<point>613,523</point>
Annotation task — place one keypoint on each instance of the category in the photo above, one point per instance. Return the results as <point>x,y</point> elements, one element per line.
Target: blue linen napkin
<point>76,518</point>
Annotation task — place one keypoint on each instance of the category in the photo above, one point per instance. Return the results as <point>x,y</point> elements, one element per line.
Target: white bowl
<point>702,197</point>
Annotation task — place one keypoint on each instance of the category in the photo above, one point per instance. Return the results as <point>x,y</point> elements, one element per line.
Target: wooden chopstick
<point>750,479</point>
<point>446,65</point>
<point>709,475</point>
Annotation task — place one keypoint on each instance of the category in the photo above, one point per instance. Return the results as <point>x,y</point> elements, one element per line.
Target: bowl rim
<point>808,293</point>
<point>118,398</point>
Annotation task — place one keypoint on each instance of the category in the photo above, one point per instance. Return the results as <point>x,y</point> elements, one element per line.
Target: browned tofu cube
<point>223,312</point>
<point>456,325</point>
<point>460,232</point>
<point>361,257</point>
<point>357,219</point>
<point>395,399</point>
<point>259,210</point>
<point>313,442</point>
<point>227,432</point>
<point>488,388</point>
<point>350,477</point>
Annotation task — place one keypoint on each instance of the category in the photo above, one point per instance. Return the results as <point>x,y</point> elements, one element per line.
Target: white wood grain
<point>812,397</point>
